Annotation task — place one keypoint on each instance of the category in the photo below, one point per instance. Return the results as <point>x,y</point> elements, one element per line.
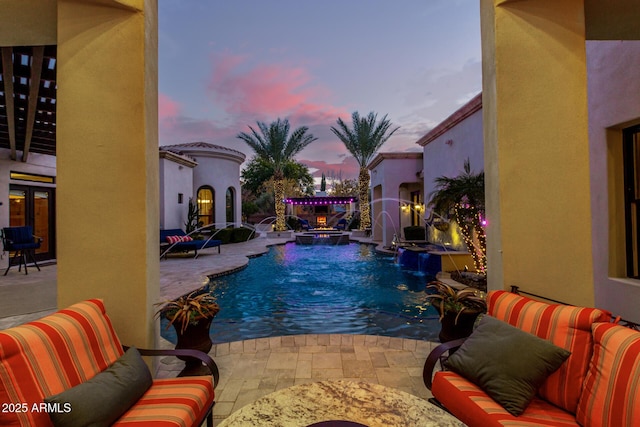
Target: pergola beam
<point>7,72</point>
<point>34,86</point>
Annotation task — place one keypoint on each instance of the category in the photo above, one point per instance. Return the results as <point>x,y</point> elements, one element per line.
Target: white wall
<point>445,156</point>
<point>386,179</point>
<point>220,171</point>
<point>174,179</point>
<point>39,164</point>
<point>614,103</point>
<point>442,159</point>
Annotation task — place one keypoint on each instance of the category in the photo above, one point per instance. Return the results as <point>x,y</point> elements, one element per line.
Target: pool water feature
<point>321,289</point>
<point>322,238</point>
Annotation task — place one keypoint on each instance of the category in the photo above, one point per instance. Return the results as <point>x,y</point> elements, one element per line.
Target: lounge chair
<point>178,241</point>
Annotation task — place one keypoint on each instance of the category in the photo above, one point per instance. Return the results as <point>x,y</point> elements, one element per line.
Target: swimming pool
<point>319,289</point>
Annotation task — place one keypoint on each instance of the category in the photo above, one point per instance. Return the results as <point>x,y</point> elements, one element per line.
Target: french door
<point>35,206</point>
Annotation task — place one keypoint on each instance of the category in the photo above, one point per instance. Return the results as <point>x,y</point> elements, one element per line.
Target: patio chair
<point>21,241</point>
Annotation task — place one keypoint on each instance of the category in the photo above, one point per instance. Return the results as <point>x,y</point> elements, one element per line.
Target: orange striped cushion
<point>566,326</point>
<point>173,402</point>
<point>53,354</point>
<point>473,407</point>
<point>611,394</point>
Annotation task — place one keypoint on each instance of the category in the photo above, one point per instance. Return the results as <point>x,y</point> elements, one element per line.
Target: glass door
<point>34,206</point>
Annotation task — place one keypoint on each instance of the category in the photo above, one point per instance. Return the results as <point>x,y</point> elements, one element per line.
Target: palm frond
<point>366,135</point>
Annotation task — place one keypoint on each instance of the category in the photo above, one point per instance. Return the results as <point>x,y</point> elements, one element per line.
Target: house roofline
<point>382,156</point>
<point>459,115</point>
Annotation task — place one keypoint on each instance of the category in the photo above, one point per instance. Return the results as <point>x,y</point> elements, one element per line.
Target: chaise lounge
<point>529,363</point>
<point>179,241</point>
<point>69,369</point>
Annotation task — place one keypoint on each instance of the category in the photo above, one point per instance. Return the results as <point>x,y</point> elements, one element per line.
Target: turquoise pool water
<point>307,289</point>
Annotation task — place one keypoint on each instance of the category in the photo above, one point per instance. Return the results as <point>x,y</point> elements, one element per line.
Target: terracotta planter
<point>195,337</point>
<point>462,329</point>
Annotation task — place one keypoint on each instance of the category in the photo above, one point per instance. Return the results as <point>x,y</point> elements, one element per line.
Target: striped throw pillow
<point>611,394</point>
<point>566,326</point>
<point>174,239</point>
<point>187,239</point>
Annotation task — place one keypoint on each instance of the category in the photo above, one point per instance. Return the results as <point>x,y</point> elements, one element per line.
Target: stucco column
<point>107,147</point>
<point>536,147</point>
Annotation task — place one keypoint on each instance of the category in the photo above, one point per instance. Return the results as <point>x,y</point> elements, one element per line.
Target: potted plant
<point>191,316</point>
<point>458,309</point>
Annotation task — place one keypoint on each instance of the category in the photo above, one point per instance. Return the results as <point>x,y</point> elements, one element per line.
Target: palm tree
<point>363,141</point>
<point>274,145</point>
<point>464,195</point>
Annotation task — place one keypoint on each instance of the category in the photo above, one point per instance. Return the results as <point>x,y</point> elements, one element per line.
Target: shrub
<point>292,223</point>
<point>224,235</point>
<point>241,234</point>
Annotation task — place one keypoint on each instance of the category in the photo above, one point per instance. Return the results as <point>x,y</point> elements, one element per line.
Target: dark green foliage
<point>292,223</point>
<point>363,140</point>
<point>354,224</point>
<point>414,232</point>
<point>241,234</point>
<point>274,144</point>
<point>463,198</point>
<point>466,189</point>
<point>258,171</point>
<point>192,217</point>
<point>323,183</point>
<point>249,208</point>
<point>224,235</point>
<point>365,137</point>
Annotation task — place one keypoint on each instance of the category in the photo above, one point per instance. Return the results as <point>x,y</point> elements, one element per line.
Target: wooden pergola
<point>28,100</point>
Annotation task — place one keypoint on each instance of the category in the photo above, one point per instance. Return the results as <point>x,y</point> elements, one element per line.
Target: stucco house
<point>207,173</point>
<point>559,149</point>
<point>397,194</point>
<point>401,183</point>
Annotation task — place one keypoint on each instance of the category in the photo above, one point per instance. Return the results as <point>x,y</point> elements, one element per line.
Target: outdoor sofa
<point>178,241</point>
<point>69,369</point>
<point>498,377</point>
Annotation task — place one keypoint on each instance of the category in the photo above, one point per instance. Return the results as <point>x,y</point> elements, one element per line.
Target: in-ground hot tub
<point>323,238</point>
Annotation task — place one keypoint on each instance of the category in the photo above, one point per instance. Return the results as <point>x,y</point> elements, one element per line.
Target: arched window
<point>206,205</point>
<point>230,205</point>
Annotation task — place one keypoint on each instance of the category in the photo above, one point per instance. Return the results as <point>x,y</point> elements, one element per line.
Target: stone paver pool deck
<point>254,368</point>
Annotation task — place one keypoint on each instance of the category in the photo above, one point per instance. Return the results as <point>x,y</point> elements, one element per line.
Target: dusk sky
<point>223,65</point>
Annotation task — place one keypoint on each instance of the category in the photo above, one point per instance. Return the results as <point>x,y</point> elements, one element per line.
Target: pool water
<point>308,289</point>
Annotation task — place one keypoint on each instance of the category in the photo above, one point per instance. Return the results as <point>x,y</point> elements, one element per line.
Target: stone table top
<point>370,404</point>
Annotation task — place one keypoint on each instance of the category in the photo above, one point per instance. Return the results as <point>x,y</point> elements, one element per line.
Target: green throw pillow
<point>101,400</point>
<point>506,362</point>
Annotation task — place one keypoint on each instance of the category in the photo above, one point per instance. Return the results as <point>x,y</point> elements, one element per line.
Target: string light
<point>471,215</point>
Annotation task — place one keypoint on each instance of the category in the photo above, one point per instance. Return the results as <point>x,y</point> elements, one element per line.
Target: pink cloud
<point>246,93</point>
<point>269,91</point>
<point>167,107</point>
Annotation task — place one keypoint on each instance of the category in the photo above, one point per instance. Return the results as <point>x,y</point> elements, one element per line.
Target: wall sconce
<point>419,207</point>
<point>404,207</point>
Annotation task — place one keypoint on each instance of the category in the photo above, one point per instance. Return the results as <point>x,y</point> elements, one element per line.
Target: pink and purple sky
<point>223,65</point>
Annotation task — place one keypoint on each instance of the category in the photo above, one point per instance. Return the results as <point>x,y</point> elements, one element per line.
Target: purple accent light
<point>319,200</point>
